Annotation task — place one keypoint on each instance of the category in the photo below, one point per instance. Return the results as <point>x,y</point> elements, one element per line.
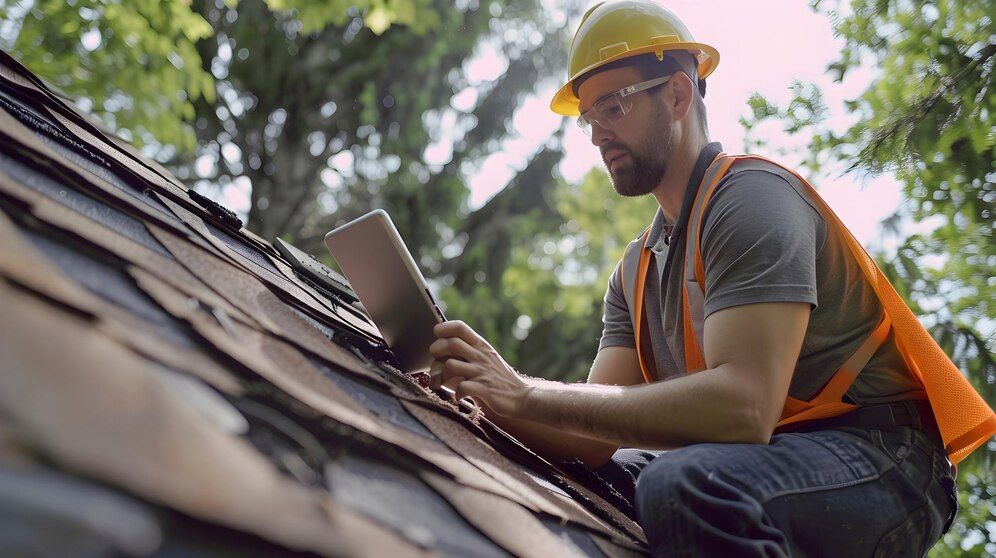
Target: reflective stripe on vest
<point>965,420</point>
<point>635,265</point>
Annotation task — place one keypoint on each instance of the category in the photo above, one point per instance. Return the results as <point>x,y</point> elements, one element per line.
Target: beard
<point>648,164</point>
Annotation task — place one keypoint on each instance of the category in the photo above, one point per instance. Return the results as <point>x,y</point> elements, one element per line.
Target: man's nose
<point>600,135</point>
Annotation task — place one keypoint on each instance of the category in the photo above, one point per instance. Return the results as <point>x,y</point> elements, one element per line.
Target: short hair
<point>651,67</point>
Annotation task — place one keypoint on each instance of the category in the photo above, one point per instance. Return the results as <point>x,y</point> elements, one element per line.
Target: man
<point>735,328</point>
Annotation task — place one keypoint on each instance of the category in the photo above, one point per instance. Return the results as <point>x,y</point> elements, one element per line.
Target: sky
<point>764,45</point>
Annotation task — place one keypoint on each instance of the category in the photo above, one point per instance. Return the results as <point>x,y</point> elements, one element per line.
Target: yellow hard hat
<point>618,29</point>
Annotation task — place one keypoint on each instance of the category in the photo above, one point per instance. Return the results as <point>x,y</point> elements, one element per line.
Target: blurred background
<point>304,114</point>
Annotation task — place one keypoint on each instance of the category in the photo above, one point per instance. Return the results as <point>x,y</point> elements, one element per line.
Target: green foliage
<point>379,15</point>
<point>929,119</point>
<point>564,271</point>
<point>971,533</point>
<point>135,64</point>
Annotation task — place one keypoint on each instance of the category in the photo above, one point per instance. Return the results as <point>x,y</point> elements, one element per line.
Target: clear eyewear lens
<point>612,109</point>
<point>584,125</point>
<point>607,113</point>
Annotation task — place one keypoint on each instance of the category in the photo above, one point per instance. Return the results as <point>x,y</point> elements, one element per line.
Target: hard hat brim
<point>565,102</point>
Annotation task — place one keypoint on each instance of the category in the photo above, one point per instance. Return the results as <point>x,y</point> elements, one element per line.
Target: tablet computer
<point>375,260</point>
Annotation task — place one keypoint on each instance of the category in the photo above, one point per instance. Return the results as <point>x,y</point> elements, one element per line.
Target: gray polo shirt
<point>763,241</point>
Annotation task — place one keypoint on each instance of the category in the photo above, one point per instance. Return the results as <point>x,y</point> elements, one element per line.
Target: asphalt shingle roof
<point>171,384</point>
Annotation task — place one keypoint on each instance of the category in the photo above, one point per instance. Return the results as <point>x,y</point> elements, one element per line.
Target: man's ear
<point>681,99</point>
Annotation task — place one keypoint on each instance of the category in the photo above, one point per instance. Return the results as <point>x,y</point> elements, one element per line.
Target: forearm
<point>752,350</point>
<point>708,406</point>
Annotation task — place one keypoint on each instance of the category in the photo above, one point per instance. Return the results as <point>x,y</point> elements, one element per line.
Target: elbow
<point>752,426</point>
<point>758,435</point>
<point>753,415</point>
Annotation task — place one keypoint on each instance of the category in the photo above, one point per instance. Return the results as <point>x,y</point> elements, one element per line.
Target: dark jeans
<point>842,492</point>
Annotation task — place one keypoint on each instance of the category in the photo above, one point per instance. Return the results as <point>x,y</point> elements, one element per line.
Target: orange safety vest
<point>965,420</point>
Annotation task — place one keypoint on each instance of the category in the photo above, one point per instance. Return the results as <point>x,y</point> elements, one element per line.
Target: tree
<point>137,69</point>
<point>135,65</point>
<point>929,119</point>
<point>317,110</point>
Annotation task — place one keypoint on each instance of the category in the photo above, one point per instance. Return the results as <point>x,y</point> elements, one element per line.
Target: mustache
<point>613,147</point>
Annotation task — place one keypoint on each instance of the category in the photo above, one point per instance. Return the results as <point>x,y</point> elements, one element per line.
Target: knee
<point>697,499</point>
<point>669,484</point>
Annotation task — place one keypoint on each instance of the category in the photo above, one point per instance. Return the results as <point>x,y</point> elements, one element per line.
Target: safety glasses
<point>608,111</point>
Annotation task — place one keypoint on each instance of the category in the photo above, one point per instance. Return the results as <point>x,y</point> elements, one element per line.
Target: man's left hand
<point>474,368</point>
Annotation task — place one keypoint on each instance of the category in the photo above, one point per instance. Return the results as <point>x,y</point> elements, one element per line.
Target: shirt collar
<point>655,240</point>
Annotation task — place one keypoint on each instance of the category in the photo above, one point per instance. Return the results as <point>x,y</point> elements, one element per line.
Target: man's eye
<point>613,111</point>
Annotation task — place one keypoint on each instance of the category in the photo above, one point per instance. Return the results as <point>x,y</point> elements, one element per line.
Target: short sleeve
<point>617,327</point>
<point>760,240</point>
